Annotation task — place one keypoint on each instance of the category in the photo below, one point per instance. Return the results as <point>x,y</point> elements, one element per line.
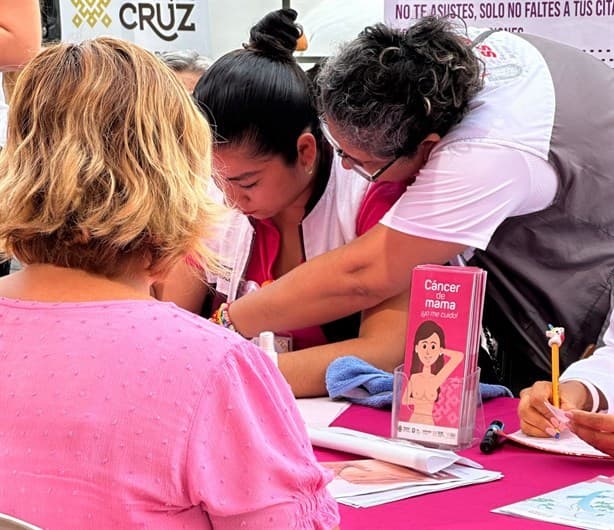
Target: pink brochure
<point>440,372</point>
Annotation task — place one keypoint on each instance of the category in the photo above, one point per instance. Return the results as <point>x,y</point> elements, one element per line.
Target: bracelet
<point>592,390</point>
<point>222,318</point>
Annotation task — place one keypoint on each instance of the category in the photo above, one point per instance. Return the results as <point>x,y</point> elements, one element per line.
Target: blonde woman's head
<point>106,165</point>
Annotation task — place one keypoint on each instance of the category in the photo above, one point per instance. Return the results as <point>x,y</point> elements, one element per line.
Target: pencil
<point>554,350</point>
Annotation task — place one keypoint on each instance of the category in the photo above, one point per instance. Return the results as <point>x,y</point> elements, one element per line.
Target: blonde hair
<point>107,163</point>
<point>8,83</point>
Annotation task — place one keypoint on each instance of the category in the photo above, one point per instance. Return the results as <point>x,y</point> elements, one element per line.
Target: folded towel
<point>358,381</point>
<point>490,391</point>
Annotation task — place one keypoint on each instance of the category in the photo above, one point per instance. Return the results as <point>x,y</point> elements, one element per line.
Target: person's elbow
<point>371,283</point>
<point>377,265</point>
<point>365,279</point>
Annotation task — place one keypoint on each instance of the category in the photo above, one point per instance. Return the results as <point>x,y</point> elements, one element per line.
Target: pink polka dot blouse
<point>137,414</point>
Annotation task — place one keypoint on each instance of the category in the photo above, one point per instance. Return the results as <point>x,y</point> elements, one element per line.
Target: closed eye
<point>247,186</point>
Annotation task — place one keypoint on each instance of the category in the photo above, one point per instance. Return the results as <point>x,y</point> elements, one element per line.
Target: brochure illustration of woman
<point>429,370</point>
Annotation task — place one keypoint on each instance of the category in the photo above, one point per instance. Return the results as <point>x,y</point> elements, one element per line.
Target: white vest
<point>516,106</point>
<point>330,224</point>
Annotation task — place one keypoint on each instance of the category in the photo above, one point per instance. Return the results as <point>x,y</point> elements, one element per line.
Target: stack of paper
<point>402,469</point>
<point>439,397</point>
<point>365,483</point>
<point>320,411</point>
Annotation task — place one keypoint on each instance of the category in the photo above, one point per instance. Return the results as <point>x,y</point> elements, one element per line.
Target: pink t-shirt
<point>267,241</point>
<point>137,414</point>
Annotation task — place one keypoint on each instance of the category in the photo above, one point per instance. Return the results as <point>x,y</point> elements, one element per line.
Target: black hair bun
<point>276,34</point>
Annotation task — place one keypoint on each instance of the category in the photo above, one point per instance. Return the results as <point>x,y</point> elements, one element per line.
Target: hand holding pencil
<point>537,416</point>
<point>535,411</point>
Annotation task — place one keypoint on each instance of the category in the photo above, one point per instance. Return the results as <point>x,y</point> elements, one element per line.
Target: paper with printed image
<point>439,398</point>
<point>365,483</point>
<point>588,505</point>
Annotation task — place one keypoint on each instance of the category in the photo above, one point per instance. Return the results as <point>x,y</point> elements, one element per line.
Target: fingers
<point>592,420</point>
<point>538,429</point>
<point>595,429</point>
<point>535,418</point>
<point>532,400</point>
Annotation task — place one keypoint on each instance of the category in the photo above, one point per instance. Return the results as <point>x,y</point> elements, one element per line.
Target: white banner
<point>157,26</point>
<point>585,24</point>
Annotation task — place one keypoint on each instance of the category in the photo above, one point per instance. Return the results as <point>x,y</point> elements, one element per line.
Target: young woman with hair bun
<point>293,200</point>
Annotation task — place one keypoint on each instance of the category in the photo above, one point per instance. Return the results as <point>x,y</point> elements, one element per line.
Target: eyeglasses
<point>356,165</point>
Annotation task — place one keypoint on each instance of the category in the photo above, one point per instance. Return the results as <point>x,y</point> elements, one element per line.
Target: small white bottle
<point>266,341</point>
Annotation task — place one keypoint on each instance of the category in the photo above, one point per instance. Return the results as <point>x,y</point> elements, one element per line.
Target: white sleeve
<point>467,189</point>
<point>598,368</point>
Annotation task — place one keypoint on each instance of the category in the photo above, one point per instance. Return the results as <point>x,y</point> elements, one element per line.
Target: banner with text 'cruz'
<point>585,24</point>
<point>157,26</point>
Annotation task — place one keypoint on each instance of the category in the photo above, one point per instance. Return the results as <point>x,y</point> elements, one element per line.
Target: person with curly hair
<point>120,411</point>
<point>507,162</point>
<point>188,65</point>
<point>292,201</point>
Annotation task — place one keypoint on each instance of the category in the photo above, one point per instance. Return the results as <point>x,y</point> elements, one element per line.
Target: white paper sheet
<point>396,451</point>
<point>321,411</point>
<point>567,444</point>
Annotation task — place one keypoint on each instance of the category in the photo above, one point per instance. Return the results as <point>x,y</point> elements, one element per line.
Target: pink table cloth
<point>527,473</point>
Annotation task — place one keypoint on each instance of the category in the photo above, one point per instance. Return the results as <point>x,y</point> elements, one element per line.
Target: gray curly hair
<point>388,89</point>
<point>185,60</point>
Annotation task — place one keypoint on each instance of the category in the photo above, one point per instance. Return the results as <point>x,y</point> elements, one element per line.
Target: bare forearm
<point>576,394</point>
<point>308,295</point>
<point>20,32</point>
<point>381,342</point>
<point>305,370</point>
<point>359,275</point>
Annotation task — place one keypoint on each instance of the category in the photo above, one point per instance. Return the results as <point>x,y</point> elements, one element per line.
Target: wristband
<point>592,390</point>
<point>221,317</point>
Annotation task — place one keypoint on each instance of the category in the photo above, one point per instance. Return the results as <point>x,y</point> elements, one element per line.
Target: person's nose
<point>241,200</point>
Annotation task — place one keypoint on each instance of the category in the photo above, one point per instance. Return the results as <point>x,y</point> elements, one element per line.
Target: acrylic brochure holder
<point>466,431</point>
